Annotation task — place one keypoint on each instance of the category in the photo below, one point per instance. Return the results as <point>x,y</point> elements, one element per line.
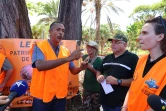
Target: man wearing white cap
<point>90,85</point>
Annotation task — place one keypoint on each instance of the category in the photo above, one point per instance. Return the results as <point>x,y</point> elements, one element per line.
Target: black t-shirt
<point>148,66</point>
<point>121,67</point>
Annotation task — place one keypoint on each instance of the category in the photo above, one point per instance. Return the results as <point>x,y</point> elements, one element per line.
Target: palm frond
<point>110,24</point>
<point>108,10</point>
<point>87,20</point>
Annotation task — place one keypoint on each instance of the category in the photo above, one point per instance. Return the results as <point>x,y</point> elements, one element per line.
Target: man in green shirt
<point>91,86</point>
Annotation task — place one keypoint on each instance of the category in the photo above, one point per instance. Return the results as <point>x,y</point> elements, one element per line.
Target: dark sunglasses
<point>163,24</point>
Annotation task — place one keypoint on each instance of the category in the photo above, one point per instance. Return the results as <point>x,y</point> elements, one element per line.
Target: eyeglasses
<point>117,42</point>
<point>163,24</point>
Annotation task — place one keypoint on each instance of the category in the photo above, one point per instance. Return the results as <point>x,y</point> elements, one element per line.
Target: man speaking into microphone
<point>51,64</point>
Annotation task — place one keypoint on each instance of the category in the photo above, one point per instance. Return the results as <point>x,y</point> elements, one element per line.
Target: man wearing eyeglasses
<point>118,69</point>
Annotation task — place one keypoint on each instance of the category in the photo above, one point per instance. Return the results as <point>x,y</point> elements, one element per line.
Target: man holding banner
<point>6,69</point>
<point>51,64</point>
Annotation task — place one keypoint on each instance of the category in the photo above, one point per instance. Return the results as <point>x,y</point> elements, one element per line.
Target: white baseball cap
<point>93,44</point>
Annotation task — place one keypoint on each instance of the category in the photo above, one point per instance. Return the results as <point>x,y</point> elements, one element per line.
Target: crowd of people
<point>132,78</point>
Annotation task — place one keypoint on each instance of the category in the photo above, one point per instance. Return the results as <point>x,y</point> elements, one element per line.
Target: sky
<point>121,19</point>
<point>128,8</point>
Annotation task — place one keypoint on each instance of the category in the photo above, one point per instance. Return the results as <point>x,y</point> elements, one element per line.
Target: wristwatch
<point>119,81</point>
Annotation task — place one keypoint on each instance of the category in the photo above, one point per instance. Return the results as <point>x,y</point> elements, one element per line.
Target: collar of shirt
<point>125,53</point>
<point>155,61</point>
<point>56,50</point>
<point>150,64</point>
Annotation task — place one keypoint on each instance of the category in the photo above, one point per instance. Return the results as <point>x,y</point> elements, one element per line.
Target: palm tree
<point>95,7</point>
<point>49,12</point>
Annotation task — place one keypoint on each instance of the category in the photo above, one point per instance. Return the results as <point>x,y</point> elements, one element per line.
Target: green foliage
<point>88,34</point>
<point>145,12</point>
<point>139,15</point>
<point>133,32</point>
<point>32,8</point>
<point>48,12</point>
<point>142,8</point>
<point>105,32</point>
<point>39,32</point>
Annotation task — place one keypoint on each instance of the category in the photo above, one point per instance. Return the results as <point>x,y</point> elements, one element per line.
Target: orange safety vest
<point>47,84</point>
<point>152,83</point>
<point>2,73</point>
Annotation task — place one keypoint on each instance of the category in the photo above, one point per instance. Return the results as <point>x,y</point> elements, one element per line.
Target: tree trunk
<point>70,16</point>
<point>14,21</point>
<point>98,9</point>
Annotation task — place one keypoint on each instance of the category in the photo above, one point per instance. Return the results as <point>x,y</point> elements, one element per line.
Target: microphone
<point>16,90</point>
<point>156,103</point>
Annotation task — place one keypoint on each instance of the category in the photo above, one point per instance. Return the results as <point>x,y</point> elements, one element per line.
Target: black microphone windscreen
<point>156,103</point>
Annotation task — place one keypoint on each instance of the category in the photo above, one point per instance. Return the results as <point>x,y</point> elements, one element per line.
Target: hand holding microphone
<point>4,99</point>
<point>156,103</point>
<point>16,90</point>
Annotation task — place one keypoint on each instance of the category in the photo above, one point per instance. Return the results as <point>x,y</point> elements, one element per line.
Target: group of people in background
<point>133,79</point>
